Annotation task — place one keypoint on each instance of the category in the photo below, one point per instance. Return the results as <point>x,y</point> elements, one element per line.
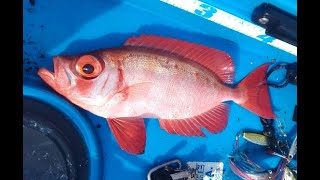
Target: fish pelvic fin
<point>130,133</point>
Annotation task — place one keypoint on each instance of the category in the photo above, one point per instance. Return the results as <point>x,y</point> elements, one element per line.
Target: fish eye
<point>88,67</point>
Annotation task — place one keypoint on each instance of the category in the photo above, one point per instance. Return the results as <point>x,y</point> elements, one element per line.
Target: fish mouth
<point>48,76</point>
<point>45,73</point>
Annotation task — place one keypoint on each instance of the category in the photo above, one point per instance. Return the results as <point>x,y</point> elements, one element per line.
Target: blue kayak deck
<point>60,27</point>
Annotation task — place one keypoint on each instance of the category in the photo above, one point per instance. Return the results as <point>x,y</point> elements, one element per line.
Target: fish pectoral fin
<point>130,133</point>
<point>214,120</point>
<point>136,91</point>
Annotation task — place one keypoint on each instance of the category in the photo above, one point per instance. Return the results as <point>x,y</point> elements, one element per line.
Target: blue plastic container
<point>72,27</point>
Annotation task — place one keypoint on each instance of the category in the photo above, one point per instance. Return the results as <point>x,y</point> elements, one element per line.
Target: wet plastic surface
<point>48,151</point>
<point>60,27</point>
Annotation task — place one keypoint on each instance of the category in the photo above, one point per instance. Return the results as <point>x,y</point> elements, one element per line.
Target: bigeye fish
<point>182,84</point>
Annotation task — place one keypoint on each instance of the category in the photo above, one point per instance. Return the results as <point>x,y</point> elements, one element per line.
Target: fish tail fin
<point>255,94</point>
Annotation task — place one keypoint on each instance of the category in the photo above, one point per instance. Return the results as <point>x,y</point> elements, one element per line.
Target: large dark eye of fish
<point>88,67</point>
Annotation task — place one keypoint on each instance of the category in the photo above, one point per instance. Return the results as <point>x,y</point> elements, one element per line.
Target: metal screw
<point>270,173</point>
<point>263,20</point>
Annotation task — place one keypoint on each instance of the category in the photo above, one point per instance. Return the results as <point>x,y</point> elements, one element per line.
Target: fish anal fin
<point>214,120</point>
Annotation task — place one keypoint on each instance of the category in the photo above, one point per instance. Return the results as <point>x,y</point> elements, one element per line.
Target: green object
<point>289,174</point>
<point>256,138</point>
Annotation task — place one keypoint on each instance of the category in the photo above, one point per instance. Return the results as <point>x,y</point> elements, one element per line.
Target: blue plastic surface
<point>77,26</point>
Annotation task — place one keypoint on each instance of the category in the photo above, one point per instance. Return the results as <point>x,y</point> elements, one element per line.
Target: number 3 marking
<point>206,12</point>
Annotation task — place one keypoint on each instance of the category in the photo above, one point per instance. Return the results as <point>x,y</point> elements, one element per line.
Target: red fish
<point>182,84</point>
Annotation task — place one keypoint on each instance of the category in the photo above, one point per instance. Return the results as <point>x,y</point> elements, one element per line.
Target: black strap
<point>278,66</point>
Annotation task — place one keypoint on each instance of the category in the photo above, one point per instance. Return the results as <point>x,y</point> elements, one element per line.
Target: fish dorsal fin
<point>219,62</point>
<point>214,120</point>
<point>130,133</point>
